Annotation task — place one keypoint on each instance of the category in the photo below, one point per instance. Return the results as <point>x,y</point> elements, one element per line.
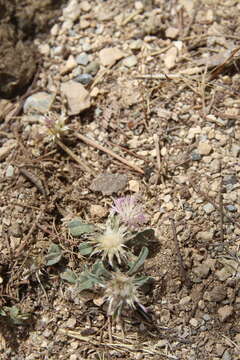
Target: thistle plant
<point>129,211</point>
<point>55,124</point>
<point>121,291</point>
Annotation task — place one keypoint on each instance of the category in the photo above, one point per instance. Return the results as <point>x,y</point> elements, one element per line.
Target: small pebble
<point>231,208</point>
<point>82,59</point>
<point>185,300</point>
<point>206,317</point>
<point>194,322</point>
<point>9,171</point>
<point>225,312</point>
<point>195,156</point>
<point>130,61</point>
<point>136,44</point>
<point>86,47</point>
<point>85,6</point>
<point>208,208</point>
<point>84,79</point>
<point>92,68</point>
<point>226,355</point>
<point>204,148</point>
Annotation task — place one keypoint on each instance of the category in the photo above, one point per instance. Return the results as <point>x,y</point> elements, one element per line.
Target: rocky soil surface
<point>120,98</point>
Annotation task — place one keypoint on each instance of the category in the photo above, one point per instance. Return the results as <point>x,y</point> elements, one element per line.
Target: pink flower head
<point>129,211</point>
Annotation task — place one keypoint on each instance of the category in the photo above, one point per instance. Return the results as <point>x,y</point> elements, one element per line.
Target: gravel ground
<point>146,91</point>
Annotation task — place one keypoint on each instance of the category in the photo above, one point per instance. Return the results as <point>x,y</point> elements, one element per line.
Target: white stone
<point>44,49</point>
<point>193,322</point>
<point>54,30</point>
<point>72,11</point>
<point>85,6</point>
<point>69,66</point>
<point>204,148</point>
<point>130,61</point>
<point>134,186</point>
<point>138,5</point>
<point>185,300</point>
<point>109,56</point>
<point>170,58</point>
<point>98,210</point>
<point>172,32</point>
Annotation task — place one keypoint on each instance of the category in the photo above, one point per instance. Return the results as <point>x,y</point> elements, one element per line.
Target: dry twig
<point>94,144</point>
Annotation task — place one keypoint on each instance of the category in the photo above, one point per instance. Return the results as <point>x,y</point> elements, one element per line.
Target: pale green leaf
<point>54,255</point>
<point>85,248</point>
<point>139,261</point>
<point>77,227</point>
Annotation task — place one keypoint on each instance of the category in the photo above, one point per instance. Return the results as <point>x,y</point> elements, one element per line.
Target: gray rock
<point>82,59</point>
<point>206,317</point>
<point>208,208</point>
<point>108,184</point>
<point>40,102</point>
<point>227,355</point>
<point>196,156</point>
<point>84,79</point>
<point>92,68</point>
<point>218,293</point>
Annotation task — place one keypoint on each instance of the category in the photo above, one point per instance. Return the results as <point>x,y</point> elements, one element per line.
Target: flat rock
<point>109,56</point>
<point>108,184</point>
<point>77,97</point>
<point>225,312</point>
<point>40,103</point>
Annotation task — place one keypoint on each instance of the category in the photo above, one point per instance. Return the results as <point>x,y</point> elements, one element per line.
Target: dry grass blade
<point>82,164</point>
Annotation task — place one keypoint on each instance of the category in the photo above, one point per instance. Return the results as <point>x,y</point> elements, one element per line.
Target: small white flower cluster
<point>55,124</point>
<point>126,216</point>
